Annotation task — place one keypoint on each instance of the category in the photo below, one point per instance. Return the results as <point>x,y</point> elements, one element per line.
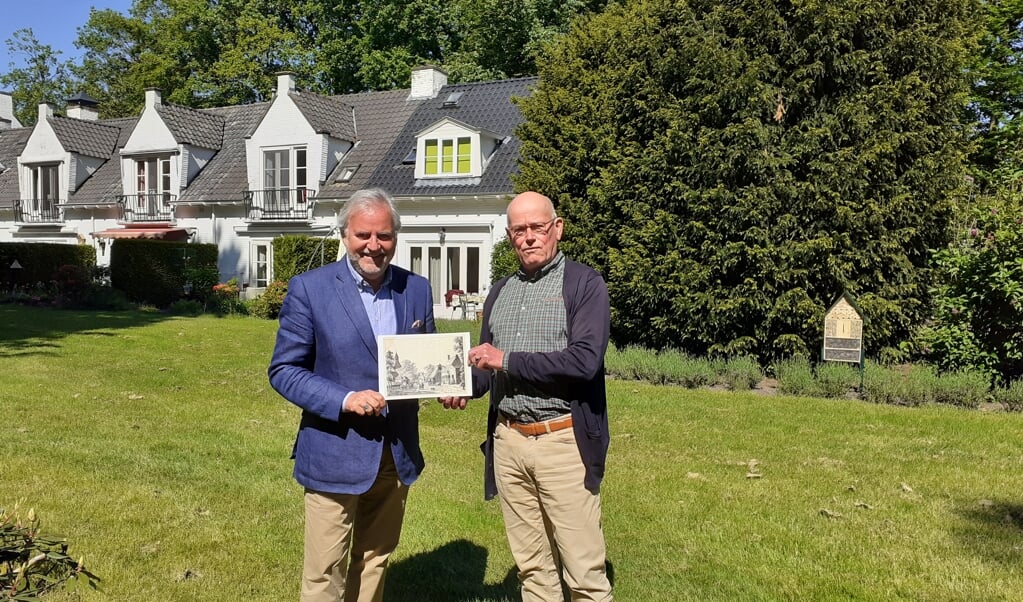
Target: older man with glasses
<point>544,334</point>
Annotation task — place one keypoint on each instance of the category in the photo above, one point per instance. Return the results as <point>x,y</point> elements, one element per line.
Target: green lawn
<point>157,447</point>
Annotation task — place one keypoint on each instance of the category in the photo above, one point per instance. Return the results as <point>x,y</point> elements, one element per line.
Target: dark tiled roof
<point>89,138</point>
<point>379,118</point>
<point>483,105</point>
<point>192,126</point>
<point>384,128</point>
<point>12,142</point>
<point>104,185</point>
<point>225,177</point>
<point>327,115</point>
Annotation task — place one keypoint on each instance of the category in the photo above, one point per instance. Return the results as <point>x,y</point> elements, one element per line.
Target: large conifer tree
<point>730,167</point>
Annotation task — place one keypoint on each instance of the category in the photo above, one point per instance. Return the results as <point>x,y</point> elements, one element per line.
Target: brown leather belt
<point>534,429</point>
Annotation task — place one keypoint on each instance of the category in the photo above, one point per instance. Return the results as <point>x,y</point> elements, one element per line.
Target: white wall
<point>283,125</point>
<point>150,135</point>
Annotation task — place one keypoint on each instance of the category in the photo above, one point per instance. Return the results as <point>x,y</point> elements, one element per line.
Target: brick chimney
<point>426,82</point>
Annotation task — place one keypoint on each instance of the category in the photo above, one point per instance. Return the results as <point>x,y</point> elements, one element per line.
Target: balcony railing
<point>147,207</point>
<point>278,204</point>
<point>38,211</point>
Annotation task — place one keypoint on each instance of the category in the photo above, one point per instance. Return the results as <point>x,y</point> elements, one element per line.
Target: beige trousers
<point>348,539</point>
<point>553,523</point>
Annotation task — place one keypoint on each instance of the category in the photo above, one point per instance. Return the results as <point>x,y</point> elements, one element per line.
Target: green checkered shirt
<point>529,315</point>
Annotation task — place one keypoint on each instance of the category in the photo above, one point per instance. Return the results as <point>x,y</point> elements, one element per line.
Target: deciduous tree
<point>43,78</point>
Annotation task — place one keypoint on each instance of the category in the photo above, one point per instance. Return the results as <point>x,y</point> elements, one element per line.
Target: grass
<point>155,444</point>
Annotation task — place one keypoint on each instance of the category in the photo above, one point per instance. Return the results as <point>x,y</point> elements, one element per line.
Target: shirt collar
<point>361,283</point>
<point>544,270</point>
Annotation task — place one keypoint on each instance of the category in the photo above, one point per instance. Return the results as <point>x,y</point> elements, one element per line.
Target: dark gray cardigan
<point>575,373</point>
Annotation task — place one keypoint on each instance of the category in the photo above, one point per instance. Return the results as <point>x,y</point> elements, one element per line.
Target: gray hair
<point>363,200</point>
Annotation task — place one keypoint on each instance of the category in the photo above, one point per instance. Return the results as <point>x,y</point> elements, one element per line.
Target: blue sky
<point>52,21</point>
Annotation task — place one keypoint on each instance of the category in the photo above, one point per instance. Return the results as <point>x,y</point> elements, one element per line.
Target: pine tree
<point>731,167</point>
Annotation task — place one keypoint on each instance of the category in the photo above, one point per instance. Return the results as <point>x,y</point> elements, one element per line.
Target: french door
<point>448,267</point>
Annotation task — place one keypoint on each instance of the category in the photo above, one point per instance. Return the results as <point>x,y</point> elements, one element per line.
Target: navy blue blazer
<point>325,349</point>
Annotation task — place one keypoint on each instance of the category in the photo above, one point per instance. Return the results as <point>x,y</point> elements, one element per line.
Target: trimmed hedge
<point>154,272</point>
<point>40,261</point>
<point>295,254</point>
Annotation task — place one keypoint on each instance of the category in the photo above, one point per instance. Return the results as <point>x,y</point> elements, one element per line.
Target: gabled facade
<point>167,149</point>
<point>453,200</point>
<point>240,176</point>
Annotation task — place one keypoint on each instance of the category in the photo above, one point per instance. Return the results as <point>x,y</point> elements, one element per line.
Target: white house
<point>240,176</point>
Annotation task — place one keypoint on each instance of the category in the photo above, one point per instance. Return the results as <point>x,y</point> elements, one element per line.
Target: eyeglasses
<point>538,229</point>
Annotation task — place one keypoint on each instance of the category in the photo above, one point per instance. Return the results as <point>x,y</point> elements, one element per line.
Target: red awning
<point>175,234</point>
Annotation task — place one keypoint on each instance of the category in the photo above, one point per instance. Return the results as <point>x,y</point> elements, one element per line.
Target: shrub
<point>882,385</point>
<point>186,307</point>
<point>676,367</point>
<point>636,363</point>
<point>294,254</point>
<point>105,297</point>
<point>39,294</point>
<point>268,305</point>
<point>32,564</point>
<point>904,385</point>
<point>200,281</point>
<point>979,301</point>
<point>686,371</point>
<point>966,388</point>
<point>156,271</point>
<point>40,261</point>
<point>225,300</point>
<point>1011,396</point>
<point>835,379</point>
<point>503,260</point>
<point>794,376</point>
<point>72,282</point>
<point>741,373</point>
<point>613,365</point>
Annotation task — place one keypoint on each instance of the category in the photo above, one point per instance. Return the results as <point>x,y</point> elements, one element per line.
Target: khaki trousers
<point>552,522</point>
<point>348,539</point>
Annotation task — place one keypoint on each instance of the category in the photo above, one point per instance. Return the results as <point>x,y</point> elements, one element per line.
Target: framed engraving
<point>424,365</point>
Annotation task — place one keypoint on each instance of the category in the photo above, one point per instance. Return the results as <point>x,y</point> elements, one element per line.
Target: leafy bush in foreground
<point>32,564</point>
<point>268,305</point>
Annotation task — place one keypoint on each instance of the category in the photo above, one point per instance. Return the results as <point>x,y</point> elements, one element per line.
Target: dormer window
<point>45,188</point>
<point>153,190</point>
<point>285,169</point>
<point>448,156</point>
<point>153,177</point>
<point>454,151</point>
<point>43,204</point>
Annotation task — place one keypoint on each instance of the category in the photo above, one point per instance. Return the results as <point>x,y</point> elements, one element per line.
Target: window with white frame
<point>260,263</point>
<point>285,170</point>
<point>460,269</point>
<point>153,182</point>
<point>448,156</point>
<point>45,187</point>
